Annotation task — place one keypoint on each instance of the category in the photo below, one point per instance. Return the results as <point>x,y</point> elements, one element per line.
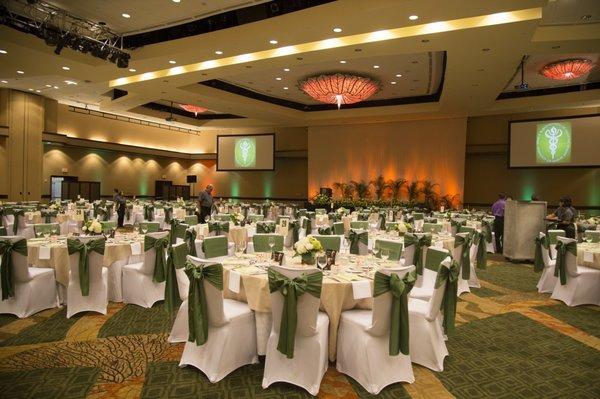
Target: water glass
<point>322,261</point>
<point>385,254</point>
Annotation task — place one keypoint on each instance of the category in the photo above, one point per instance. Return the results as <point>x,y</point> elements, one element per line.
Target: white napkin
<point>234,281</point>
<point>439,244</point>
<point>44,253</point>
<point>588,256</point>
<point>178,240</point>
<point>361,289</point>
<point>136,248</point>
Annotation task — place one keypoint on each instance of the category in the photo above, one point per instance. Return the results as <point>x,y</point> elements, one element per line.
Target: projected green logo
<point>245,152</point>
<point>553,144</point>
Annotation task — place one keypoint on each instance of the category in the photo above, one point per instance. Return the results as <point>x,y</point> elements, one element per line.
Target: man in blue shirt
<point>205,203</point>
<point>498,212</point>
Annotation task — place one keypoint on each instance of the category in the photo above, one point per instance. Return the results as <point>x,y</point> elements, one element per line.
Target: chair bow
<point>295,226</point>
<point>6,266</point>
<point>175,260</point>
<point>128,210</point>
<point>479,240</point>
<point>159,244</point>
<point>17,212</point>
<point>486,228</point>
<point>149,212</point>
<point>291,289</point>
<point>355,237</point>
<point>173,236</point>
<point>465,254</point>
<point>419,243</point>
<point>325,231</point>
<point>382,220</point>
<point>190,240</point>
<point>48,214</point>
<point>265,227</point>
<point>84,249</point>
<point>449,277</point>
<point>168,210</point>
<point>399,288</point>
<point>307,225</point>
<point>218,227</point>
<point>538,262</point>
<point>197,307</point>
<point>561,259</point>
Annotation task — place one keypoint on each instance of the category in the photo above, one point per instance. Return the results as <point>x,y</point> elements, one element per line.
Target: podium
<point>523,221</point>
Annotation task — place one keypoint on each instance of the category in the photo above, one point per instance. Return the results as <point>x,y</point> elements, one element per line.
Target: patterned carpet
<point>511,342</point>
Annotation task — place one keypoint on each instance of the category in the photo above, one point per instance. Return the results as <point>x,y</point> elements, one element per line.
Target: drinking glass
<point>385,254</point>
<point>46,234</point>
<point>39,234</point>
<point>238,250</point>
<point>54,231</point>
<point>271,243</point>
<point>207,218</point>
<point>144,229</point>
<point>322,262</point>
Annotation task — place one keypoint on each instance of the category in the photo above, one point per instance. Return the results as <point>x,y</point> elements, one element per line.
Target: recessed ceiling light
<point>358,50</point>
<point>273,41</point>
<point>30,89</point>
<point>4,81</point>
<point>131,70</point>
<point>337,30</point>
<point>66,68</point>
<point>3,51</point>
<point>376,66</point>
<point>70,82</point>
<point>56,87</point>
<point>415,62</point>
<point>38,91</point>
<point>398,75</point>
<point>285,88</point>
<point>48,85</point>
<point>277,78</point>
<point>342,62</point>
<point>393,82</point>
<point>176,1</point>
<point>172,62</point>
<point>413,17</point>
<point>299,58</point>
<point>20,72</point>
<point>218,52</point>
<point>286,69</point>
<point>125,15</point>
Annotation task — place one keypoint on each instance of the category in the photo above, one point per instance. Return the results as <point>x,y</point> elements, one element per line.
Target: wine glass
<point>271,243</point>
<point>243,247</point>
<point>385,254</point>
<point>144,228</point>
<point>322,261</point>
<point>238,250</point>
<point>54,231</point>
<point>46,234</point>
<point>38,234</point>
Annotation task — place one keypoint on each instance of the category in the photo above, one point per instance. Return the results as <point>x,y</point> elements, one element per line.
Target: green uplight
<point>267,187</point>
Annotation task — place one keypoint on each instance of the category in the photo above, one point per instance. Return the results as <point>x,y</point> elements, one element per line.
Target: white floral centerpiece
<point>92,227</point>
<point>307,248</point>
<point>341,211</point>
<point>237,218</point>
<point>403,228</point>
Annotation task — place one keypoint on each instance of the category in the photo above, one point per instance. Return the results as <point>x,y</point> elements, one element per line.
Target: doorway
<point>56,185</point>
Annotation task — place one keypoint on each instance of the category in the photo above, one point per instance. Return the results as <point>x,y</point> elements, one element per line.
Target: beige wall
<point>487,172</point>
<point>415,150</point>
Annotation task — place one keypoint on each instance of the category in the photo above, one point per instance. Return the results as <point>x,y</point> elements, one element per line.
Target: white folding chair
<point>547,280</point>
<point>463,285</point>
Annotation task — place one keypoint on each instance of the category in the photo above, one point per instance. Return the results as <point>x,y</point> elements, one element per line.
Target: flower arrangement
<point>342,211</point>
<point>307,248</point>
<point>403,228</point>
<point>237,218</point>
<point>92,227</point>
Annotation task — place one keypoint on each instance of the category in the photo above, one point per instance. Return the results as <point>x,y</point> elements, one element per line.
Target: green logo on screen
<point>245,152</point>
<point>553,142</point>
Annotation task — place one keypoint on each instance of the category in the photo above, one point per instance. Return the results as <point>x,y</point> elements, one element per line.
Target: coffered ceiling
<point>469,49</point>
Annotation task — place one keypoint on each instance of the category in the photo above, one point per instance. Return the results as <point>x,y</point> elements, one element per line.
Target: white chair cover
<point>547,280</point>
<point>138,286</point>
<point>97,300</point>
<point>310,361</point>
<point>473,280</point>
<point>425,291</point>
<point>24,229</point>
<point>463,285</point>
<point>583,283</point>
<point>35,288</point>
<point>231,340</point>
<point>363,344</point>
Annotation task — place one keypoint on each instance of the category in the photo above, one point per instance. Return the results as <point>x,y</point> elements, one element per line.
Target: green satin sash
<point>48,215</point>
<point>175,260</point>
<point>84,249</point>
<point>538,262</point>
<point>219,227</point>
<point>6,266</point>
<point>448,276</point>
<point>149,213</point>
<point>174,233</point>
<point>394,249</point>
<point>399,287</point>
<point>2,231</point>
<point>265,227</point>
<point>307,224</point>
<point>338,228</point>
<point>168,210</point>
<point>326,231</point>
<point>465,254</point>
<point>356,237</point>
<point>382,220</point>
<point>291,289</point>
<point>457,223</point>
<point>560,270</point>
<point>17,212</point>
<point>295,226</point>
<point>128,210</point>
<point>419,243</point>
<point>479,240</point>
<point>486,228</point>
<point>329,242</point>
<point>198,319</point>
<point>160,263</point>
<point>190,240</point>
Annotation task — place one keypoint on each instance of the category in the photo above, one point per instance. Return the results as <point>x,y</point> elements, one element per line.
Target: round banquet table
<point>588,254</point>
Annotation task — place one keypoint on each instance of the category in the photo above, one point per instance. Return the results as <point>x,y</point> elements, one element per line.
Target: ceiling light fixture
<point>3,51</point>
<point>398,75</point>
<point>4,81</point>
<point>30,89</point>
<point>218,52</point>
<point>132,70</point>
<point>56,87</point>
<point>125,15</point>
<point>413,17</point>
<point>285,87</point>
<point>339,88</point>
<point>273,41</point>
<point>70,82</point>
<point>172,62</point>
<point>342,62</point>
<point>48,85</point>
<point>66,68</point>
<point>392,82</point>
<point>376,66</point>
<point>38,91</point>
<point>286,69</point>
<point>193,108</point>
<point>20,72</point>
<point>277,78</point>
<point>337,30</point>
<point>567,69</point>
<point>176,1</point>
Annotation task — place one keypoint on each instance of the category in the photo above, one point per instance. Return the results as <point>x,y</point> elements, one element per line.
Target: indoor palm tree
<point>380,186</point>
<point>413,190</point>
<point>396,186</point>
<point>346,190</point>
<point>361,188</point>
<point>429,193</point>
<point>450,201</point>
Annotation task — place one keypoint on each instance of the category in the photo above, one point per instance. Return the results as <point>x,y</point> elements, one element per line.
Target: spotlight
<point>64,40</point>
<point>123,60</point>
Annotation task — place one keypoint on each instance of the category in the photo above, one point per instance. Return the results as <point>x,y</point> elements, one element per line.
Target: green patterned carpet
<point>510,342</point>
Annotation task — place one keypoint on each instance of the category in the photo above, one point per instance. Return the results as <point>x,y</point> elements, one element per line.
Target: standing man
<point>498,212</point>
<point>121,203</point>
<point>205,203</point>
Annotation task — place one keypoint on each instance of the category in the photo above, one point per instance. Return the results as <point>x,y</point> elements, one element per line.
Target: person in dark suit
<point>121,203</point>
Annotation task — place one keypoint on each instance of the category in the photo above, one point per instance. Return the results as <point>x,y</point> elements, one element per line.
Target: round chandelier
<point>567,69</point>
<point>339,88</point>
<point>193,108</point>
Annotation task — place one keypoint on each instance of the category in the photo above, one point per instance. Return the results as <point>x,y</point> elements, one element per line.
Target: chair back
<point>255,218</point>
<point>191,220</point>
<point>433,228</point>
<point>457,251</point>
<point>265,227</point>
<point>152,227</point>
<point>95,263</point>
<point>183,282</point>
<point>338,228</point>
<point>330,242</point>
<point>553,236</point>
<point>261,242</point>
<point>214,298</point>
<point>307,305</point>
<point>409,255</point>
<point>215,246</point>
<point>593,235</point>
<point>382,304</point>
<point>435,301</point>
<point>466,229</point>
<point>360,225</point>
<point>108,225</point>
<point>571,260</point>
<point>20,267</point>
<point>150,255</point>
<point>394,248</point>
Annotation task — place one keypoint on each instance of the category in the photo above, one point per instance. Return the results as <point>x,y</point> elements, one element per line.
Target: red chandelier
<point>567,69</point>
<point>193,108</point>
<point>339,88</point>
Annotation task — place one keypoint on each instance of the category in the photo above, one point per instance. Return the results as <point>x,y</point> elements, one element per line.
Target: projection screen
<point>246,153</point>
<point>567,142</point>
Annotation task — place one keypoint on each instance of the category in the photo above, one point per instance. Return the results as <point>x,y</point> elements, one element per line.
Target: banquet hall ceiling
<point>482,43</point>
